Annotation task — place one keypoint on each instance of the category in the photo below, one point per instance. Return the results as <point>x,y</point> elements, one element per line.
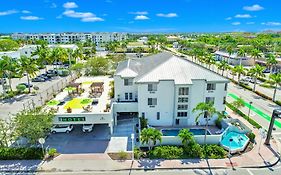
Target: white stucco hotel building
<point>165,88</point>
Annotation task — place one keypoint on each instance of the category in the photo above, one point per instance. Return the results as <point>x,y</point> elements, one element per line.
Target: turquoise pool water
<point>239,141</point>
<point>175,132</point>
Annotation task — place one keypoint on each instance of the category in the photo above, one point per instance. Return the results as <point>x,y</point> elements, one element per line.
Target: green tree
<point>242,54</point>
<point>28,66</point>
<point>43,53</point>
<point>78,54</point>
<point>186,137</point>
<point>223,66</point>
<point>255,54</point>
<point>207,110</point>
<point>33,124</point>
<point>239,70</point>
<point>8,45</point>
<point>256,72</point>
<point>8,66</point>
<point>271,62</point>
<point>238,103</point>
<point>97,66</point>
<point>7,132</point>
<point>150,136</point>
<point>276,78</point>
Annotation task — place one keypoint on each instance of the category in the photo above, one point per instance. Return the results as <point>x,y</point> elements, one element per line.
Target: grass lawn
<point>70,89</point>
<point>53,103</point>
<point>77,103</point>
<point>135,44</point>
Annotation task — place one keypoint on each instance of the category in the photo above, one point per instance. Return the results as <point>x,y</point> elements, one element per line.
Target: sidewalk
<point>268,157</point>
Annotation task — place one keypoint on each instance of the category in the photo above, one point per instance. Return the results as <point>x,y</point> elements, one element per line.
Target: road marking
<point>256,110</point>
<point>250,172</point>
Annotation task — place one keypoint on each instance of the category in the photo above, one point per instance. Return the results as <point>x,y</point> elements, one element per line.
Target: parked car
<point>244,82</point>
<point>266,71</point>
<point>44,77</point>
<point>95,102</point>
<point>26,85</point>
<point>62,128</point>
<point>38,79</point>
<point>51,71</point>
<point>87,127</point>
<point>246,79</point>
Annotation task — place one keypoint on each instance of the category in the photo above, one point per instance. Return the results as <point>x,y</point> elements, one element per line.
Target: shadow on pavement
<point>148,164</point>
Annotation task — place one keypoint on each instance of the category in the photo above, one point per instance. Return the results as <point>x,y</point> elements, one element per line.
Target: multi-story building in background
<point>67,38</point>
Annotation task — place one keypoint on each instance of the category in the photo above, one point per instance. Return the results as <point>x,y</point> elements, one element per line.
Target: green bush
<point>52,152</point>
<point>218,122</point>
<point>246,86</point>
<point>21,153</point>
<point>143,122</point>
<point>263,95</point>
<point>278,103</point>
<point>138,153</point>
<point>266,85</point>
<point>193,151</point>
<point>251,121</point>
<point>252,137</point>
<point>261,79</point>
<point>214,151</point>
<point>166,152</point>
<point>21,87</point>
<point>122,155</point>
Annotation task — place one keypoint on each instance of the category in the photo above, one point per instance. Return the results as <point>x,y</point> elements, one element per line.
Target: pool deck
<point>211,128</point>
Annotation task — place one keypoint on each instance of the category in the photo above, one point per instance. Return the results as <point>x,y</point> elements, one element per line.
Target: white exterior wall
<point>12,54</point>
<point>120,89</point>
<point>165,103</point>
<point>183,120</point>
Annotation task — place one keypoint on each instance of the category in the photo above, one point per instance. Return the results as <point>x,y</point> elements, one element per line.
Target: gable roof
<point>165,66</point>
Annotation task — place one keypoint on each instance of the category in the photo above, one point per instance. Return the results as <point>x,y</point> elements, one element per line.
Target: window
<point>183,91</point>
<point>224,100</point>
<point>211,86</point>
<point>225,87</point>
<point>128,82</point>
<point>152,87</point>
<point>182,100</point>
<point>182,114</point>
<point>158,115</point>
<point>143,115</point>
<point>182,107</point>
<point>210,100</point>
<point>126,96</point>
<point>152,101</point>
<point>131,96</point>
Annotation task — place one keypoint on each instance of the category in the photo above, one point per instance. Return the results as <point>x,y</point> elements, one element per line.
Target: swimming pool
<point>239,141</point>
<point>175,132</point>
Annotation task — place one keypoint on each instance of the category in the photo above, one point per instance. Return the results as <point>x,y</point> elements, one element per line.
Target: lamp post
<point>230,141</point>
<point>275,114</point>
<point>262,133</point>
<point>250,110</point>
<point>132,137</point>
<point>42,141</point>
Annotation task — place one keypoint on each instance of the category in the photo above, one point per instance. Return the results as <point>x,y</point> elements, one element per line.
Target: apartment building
<point>165,88</point>
<point>66,38</point>
<point>234,59</point>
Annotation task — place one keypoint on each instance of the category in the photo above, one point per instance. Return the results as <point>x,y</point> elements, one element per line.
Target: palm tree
<point>9,66</point>
<point>186,137</point>
<point>222,66</point>
<point>207,110</point>
<point>209,60</point>
<point>150,136</point>
<point>239,70</point>
<point>230,50</point>
<point>255,54</point>
<point>276,78</point>
<point>59,54</point>
<point>242,54</point>
<point>256,72</point>
<point>43,53</point>
<point>239,103</point>
<point>2,74</point>
<point>124,46</point>
<point>271,62</point>
<point>28,66</point>
<point>78,54</point>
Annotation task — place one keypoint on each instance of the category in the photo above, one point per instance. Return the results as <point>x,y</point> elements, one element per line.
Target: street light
<point>132,137</point>
<point>262,133</point>
<point>250,109</point>
<point>275,114</point>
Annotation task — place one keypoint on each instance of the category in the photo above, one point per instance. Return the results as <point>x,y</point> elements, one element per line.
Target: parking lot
<point>77,142</point>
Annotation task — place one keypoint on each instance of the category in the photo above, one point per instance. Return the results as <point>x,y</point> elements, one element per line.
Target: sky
<point>154,16</point>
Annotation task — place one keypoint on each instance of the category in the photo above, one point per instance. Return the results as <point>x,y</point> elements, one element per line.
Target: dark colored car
<point>38,79</point>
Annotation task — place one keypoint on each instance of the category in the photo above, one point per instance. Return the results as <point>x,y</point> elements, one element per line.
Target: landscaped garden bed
<point>77,103</point>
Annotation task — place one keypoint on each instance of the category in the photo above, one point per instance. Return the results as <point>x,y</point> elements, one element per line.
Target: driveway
<point>77,142</point>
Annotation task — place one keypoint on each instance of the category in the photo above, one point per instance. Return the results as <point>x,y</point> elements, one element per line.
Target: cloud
<point>243,16</point>
<point>139,13</point>
<point>26,11</point>
<point>168,15</point>
<point>8,12</point>
<point>31,18</point>
<point>70,5</point>
<point>254,7</point>
<point>84,16</point>
<point>250,23</point>
<point>271,23</point>
<point>236,23</point>
<point>141,17</point>
<point>229,18</point>
<point>53,5</point>
<point>92,19</point>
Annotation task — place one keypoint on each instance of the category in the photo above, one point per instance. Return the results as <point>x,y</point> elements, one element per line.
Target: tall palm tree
<point>43,53</point>
<point>256,72</point>
<point>271,62</point>
<point>239,70</point>
<point>59,54</point>
<point>28,66</point>
<point>206,110</point>
<point>9,66</point>
<point>255,54</point>
<point>78,54</point>
<point>209,60</point>
<point>3,74</point>
<point>150,136</point>
<point>222,66</point>
<point>242,54</point>
<point>276,78</point>
<point>230,50</point>
<point>186,137</point>
<point>124,46</point>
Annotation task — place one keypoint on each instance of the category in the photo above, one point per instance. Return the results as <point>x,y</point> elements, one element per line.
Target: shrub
<point>252,137</point>
<point>263,95</point>
<point>122,155</point>
<point>214,151</point>
<point>138,153</point>
<point>266,85</point>
<point>278,102</point>
<point>218,122</point>
<point>166,152</point>
<point>20,153</point>
<point>21,87</point>
<point>143,122</point>
<point>261,79</point>
<point>193,151</point>
<point>245,86</point>
<point>52,152</point>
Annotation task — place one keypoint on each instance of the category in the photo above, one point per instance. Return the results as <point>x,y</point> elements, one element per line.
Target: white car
<point>87,127</point>
<point>62,128</point>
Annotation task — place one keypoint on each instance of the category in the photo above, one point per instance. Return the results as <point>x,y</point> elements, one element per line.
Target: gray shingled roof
<point>165,66</point>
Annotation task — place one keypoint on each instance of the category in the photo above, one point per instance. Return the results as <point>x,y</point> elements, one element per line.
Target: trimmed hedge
<point>251,121</point>
<point>263,95</point>
<point>21,153</point>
